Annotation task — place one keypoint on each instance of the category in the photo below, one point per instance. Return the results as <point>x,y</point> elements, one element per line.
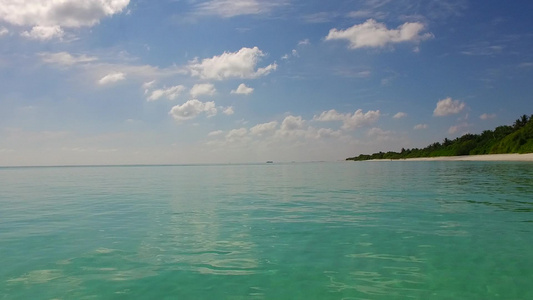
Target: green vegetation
<point>504,139</point>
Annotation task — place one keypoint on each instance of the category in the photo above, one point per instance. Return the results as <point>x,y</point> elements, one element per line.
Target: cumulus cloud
<point>330,115</point>
<point>448,106</point>
<point>65,13</point>
<point>420,126</point>
<point>350,121</point>
<point>291,132</point>
<point>400,115</point>
<point>487,116</point>
<point>265,128</point>
<point>65,58</point>
<point>359,119</point>
<point>293,127</point>
<point>237,134</point>
<point>242,89</point>
<point>44,33</point>
<point>170,93</point>
<point>326,133</point>
<point>3,31</point>
<point>292,123</point>
<point>232,8</point>
<point>191,109</point>
<point>112,78</point>
<point>375,35</point>
<point>228,111</point>
<point>202,89</point>
<point>240,64</point>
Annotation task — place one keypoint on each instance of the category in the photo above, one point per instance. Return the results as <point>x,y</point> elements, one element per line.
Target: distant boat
<point>269,162</point>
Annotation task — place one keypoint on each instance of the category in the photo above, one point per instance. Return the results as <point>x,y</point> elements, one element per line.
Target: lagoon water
<point>365,230</point>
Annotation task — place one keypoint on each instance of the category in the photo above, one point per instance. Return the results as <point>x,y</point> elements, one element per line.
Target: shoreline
<point>484,157</point>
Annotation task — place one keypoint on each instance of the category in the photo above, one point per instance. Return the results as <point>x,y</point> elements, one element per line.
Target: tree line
<point>517,138</point>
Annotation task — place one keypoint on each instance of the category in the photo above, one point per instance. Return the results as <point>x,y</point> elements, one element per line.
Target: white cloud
<point>65,13</point>
<point>364,14</point>
<point>143,73</point>
<point>379,133</point>
<point>350,121</point>
<point>240,64</point>
<point>292,123</point>
<point>232,8</point>
<point>420,126</point>
<point>147,85</point>
<point>65,58</point>
<point>487,116</point>
<point>3,31</point>
<point>320,17</point>
<point>228,111</point>
<point>483,49</point>
<point>44,33</point>
<point>373,34</point>
<point>330,115</point>
<point>237,134</point>
<point>202,89</point>
<point>457,128</point>
<point>375,131</point>
<point>294,135</point>
<point>292,128</point>
<point>242,89</point>
<point>349,72</point>
<point>294,53</point>
<point>112,78</point>
<point>326,133</point>
<point>170,93</point>
<point>400,115</point>
<point>215,133</point>
<point>359,119</point>
<point>191,109</point>
<point>448,107</point>
<point>304,42</point>
<point>265,128</point>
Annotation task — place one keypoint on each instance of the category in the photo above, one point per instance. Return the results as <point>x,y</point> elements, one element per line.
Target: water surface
<point>366,230</point>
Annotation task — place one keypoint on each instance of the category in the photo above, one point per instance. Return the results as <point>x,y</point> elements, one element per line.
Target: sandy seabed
<point>486,157</point>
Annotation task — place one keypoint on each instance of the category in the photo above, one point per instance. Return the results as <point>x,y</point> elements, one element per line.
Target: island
<point>506,139</point>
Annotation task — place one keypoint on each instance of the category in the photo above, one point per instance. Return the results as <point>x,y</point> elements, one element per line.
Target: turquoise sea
<point>346,230</point>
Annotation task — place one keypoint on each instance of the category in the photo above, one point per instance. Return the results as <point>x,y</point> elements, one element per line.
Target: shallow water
<point>365,230</point>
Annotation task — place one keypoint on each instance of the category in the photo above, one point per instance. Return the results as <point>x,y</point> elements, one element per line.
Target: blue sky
<point>220,81</point>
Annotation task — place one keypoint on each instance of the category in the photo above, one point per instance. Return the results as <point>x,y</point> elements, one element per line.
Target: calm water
<point>368,230</point>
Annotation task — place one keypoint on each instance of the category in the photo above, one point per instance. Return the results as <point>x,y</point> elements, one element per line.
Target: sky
<point>238,81</point>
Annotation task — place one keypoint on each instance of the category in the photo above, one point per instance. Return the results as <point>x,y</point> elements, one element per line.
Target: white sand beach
<point>486,157</point>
